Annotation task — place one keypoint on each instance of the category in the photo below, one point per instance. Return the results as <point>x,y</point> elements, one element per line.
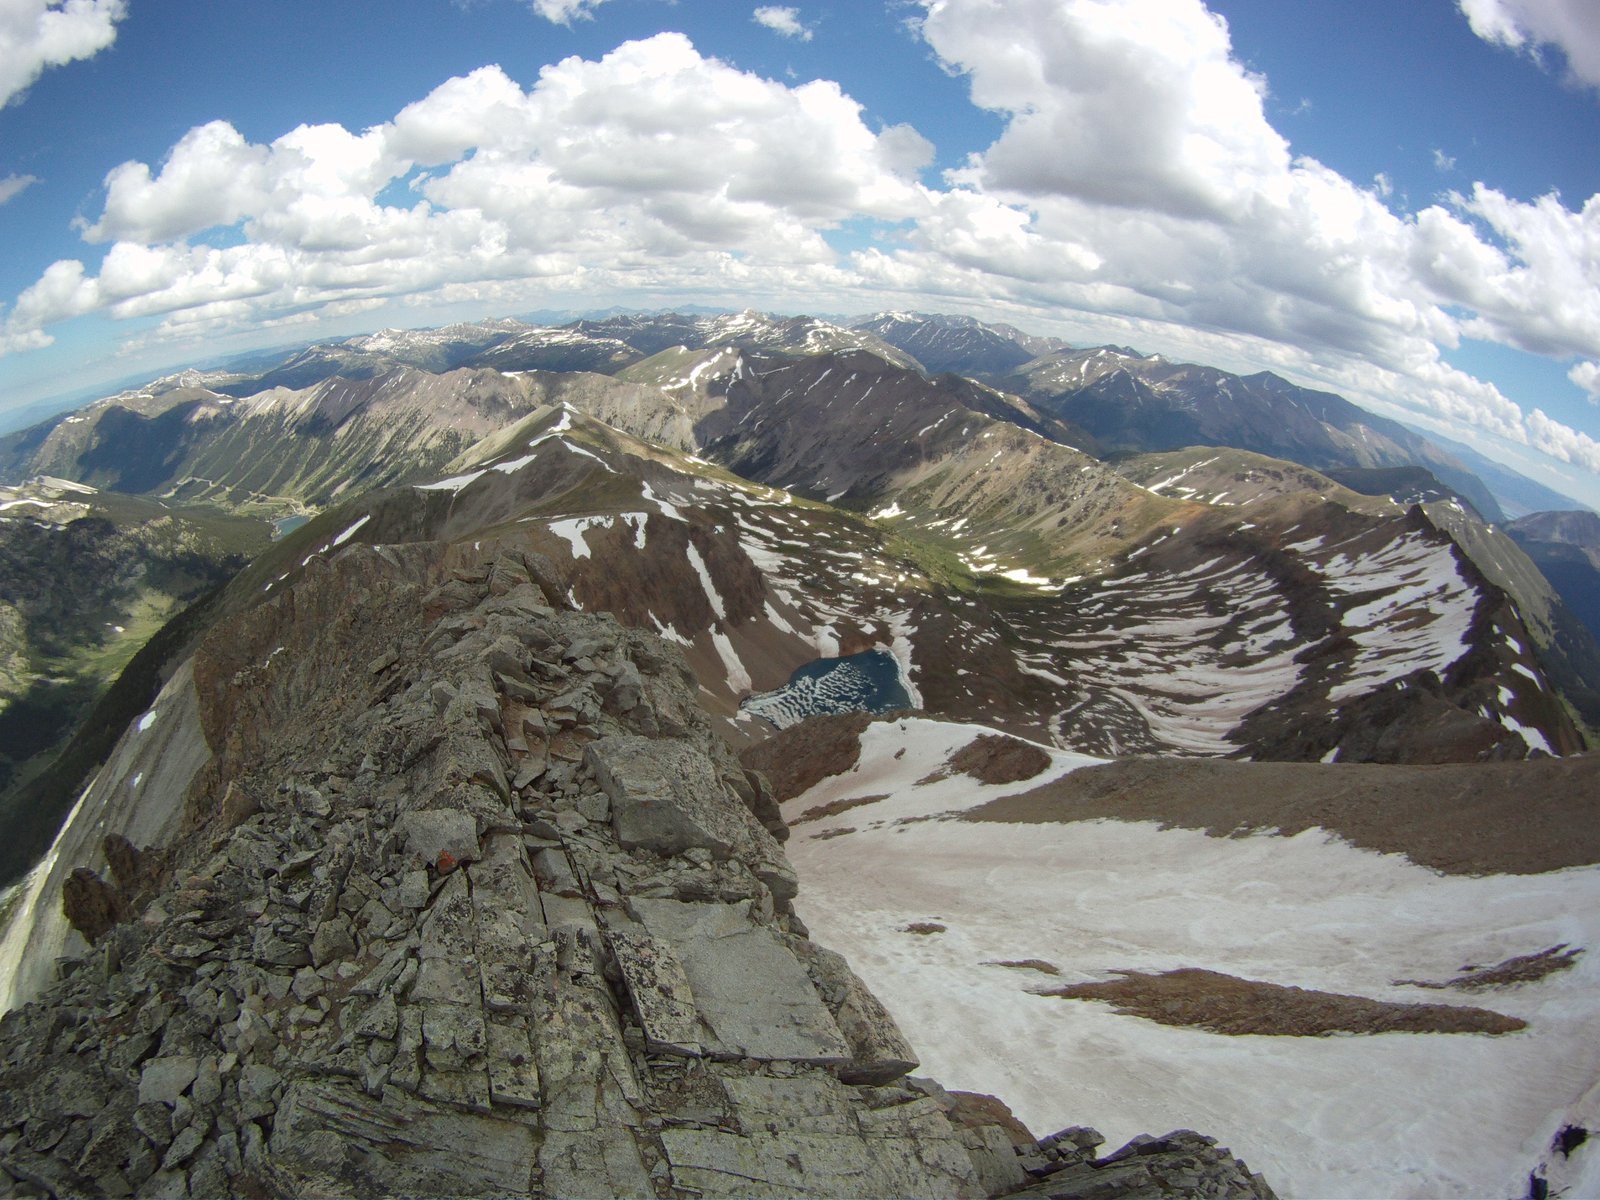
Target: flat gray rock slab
<point>414,1147</point>
<point>513,1072</point>
<point>880,1052</point>
<point>662,997</point>
<point>666,796</point>
<point>748,988</point>
<point>165,1079</point>
<point>815,1102</point>
<point>786,1164</point>
<point>448,927</point>
<point>602,1163</point>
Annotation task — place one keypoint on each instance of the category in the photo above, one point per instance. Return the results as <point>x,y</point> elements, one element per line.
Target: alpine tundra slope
<point>767,493</point>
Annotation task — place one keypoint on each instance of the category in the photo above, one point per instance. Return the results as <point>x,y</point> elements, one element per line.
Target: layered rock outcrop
<point>470,900</point>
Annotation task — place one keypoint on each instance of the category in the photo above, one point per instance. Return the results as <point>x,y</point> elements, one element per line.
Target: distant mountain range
<point>979,491</point>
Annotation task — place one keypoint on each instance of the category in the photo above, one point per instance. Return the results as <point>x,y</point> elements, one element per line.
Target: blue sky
<point>1392,201</point>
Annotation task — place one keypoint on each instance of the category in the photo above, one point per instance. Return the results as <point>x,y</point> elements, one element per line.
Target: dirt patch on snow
<point>923,927</point>
<point>1227,1004</point>
<point>994,758</point>
<point>837,831</point>
<point>1517,818</point>
<point>1524,968</point>
<point>834,807</point>
<point>805,754</point>
<point>1025,964</point>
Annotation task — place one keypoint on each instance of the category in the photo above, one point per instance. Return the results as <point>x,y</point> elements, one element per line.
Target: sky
<point>1397,202</point>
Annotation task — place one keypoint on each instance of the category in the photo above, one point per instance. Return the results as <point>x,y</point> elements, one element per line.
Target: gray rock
<point>555,875</point>
<point>403,1145</point>
<point>447,980</point>
<point>448,927</point>
<point>333,942</point>
<point>274,949</point>
<point>604,1162</point>
<point>662,998</point>
<point>414,888</point>
<point>879,1051</point>
<point>207,1087</point>
<point>182,1148</point>
<point>382,1020</point>
<point>154,1120</point>
<point>453,1034</point>
<point>513,1070</point>
<point>306,984</point>
<point>665,796</point>
<point>163,1080</point>
<point>754,996</point>
<point>258,1087</point>
<point>790,1163</point>
<point>435,831</point>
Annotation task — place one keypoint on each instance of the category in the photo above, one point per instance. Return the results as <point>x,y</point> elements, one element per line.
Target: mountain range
<point>1091,553</point>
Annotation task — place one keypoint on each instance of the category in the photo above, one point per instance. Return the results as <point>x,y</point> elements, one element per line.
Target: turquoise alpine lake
<point>867,682</point>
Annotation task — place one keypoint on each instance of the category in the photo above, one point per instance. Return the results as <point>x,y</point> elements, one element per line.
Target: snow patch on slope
<point>1393,1115</point>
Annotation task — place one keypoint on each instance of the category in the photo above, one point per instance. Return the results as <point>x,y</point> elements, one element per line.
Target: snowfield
<point>1393,1114</point>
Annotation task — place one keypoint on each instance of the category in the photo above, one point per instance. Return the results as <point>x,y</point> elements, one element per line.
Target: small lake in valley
<point>867,682</point>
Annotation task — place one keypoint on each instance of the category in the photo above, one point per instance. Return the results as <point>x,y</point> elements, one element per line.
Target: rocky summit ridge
<point>461,894</point>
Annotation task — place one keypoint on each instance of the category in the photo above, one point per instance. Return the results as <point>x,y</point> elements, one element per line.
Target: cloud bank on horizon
<point>1136,178</point>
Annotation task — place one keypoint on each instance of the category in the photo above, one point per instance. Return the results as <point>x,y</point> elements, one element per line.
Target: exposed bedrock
<point>470,900</point>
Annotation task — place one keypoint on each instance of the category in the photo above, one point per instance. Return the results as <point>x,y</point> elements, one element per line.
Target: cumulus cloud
<point>1530,26</point>
<point>13,186</point>
<point>211,177</point>
<point>782,19</point>
<point>562,12</point>
<point>1563,442</point>
<point>37,34</point>
<point>1587,376</point>
<point>653,162</point>
<point>1137,105</point>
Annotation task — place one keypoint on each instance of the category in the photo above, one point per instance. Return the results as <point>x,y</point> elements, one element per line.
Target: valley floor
<point>958,925</point>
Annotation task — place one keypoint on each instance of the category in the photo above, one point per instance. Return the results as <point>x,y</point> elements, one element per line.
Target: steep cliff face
<point>468,899</point>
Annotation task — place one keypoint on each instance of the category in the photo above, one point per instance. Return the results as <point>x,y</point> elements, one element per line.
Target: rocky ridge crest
<point>470,900</point>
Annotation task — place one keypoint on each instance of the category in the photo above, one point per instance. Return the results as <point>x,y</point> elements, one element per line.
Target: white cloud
<point>13,186</point>
<point>1134,105</point>
<point>1563,442</point>
<point>653,163</point>
<point>211,177</point>
<point>36,34</point>
<point>1442,161</point>
<point>1530,25</point>
<point>1587,376</point>
<point>1543,293</point>
<point>781,18</point>
<point>563,11</point>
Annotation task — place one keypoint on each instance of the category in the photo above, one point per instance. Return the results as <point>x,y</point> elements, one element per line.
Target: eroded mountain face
<point>462,895</point>
<point>1016,579</point>
<point>1316,632</point>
